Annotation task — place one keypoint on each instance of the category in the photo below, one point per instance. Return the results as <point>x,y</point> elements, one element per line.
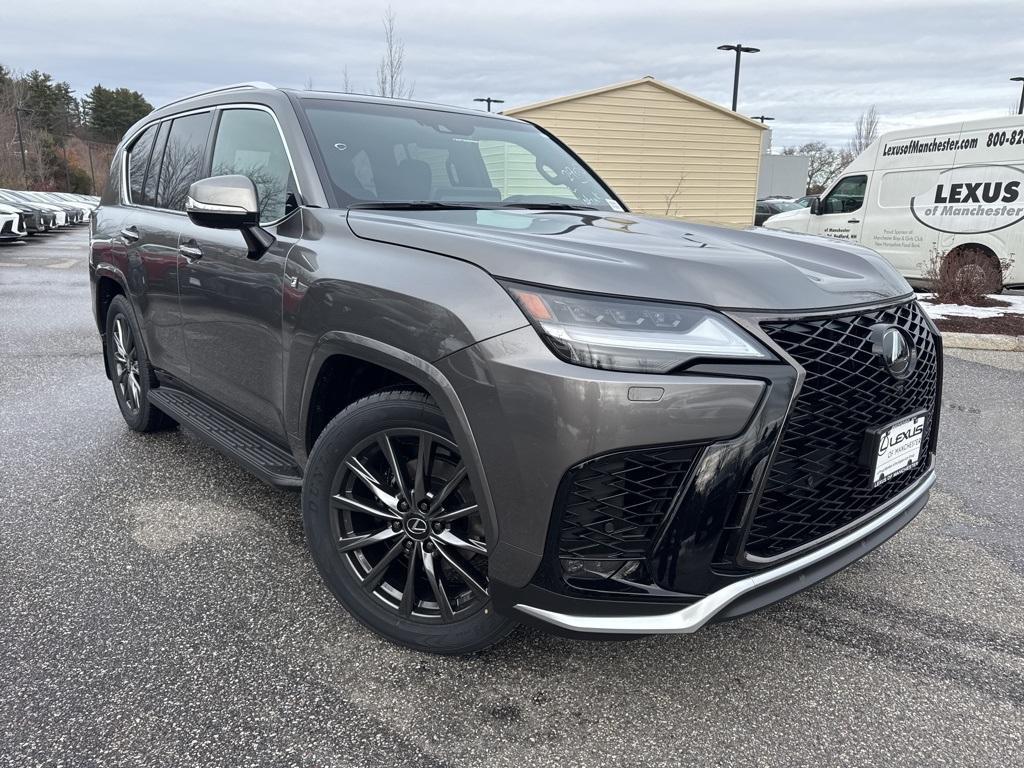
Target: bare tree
<point>670,199</point>
<point>865,131</point>
<point>825,163</point>
<point>390,74</point>
<point>346,84</point>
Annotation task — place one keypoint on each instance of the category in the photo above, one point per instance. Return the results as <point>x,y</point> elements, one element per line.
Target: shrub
<point>965,275</point>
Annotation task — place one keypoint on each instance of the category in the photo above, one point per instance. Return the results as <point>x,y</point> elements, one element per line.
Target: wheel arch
<point>403,369</point>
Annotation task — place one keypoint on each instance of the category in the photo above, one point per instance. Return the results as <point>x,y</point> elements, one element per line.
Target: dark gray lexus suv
<point>504,397</point>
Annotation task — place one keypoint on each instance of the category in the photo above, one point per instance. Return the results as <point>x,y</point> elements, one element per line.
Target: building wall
<point>661,152</point>
<point>783,175</point>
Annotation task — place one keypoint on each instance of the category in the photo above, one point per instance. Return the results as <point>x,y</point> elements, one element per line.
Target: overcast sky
<point>822,62</point>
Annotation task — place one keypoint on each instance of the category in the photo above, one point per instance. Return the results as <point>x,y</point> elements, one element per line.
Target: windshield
<point>381,153</point>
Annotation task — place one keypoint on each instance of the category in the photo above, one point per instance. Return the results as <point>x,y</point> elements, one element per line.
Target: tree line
<point>51,140</point>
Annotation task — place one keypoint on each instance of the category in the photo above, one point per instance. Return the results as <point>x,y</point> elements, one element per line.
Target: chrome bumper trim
<point>693,617</point>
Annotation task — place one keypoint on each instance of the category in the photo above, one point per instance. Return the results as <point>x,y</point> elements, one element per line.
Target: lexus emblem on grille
<point>895,348</point>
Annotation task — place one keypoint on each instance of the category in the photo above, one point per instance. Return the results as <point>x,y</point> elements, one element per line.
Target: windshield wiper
<point>551,206</point>
<point>417,205</point>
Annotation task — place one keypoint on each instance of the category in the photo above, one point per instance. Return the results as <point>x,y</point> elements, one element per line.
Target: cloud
<point>821,64</point>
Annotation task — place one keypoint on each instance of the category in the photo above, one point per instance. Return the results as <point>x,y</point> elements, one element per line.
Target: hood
<point>625,254</point>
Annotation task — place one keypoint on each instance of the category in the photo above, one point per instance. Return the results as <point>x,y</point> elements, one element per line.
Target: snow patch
<point>944,311</point>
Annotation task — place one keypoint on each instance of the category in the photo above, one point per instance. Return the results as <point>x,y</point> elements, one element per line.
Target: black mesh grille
<point>817,484</point>
<point>613,505</point>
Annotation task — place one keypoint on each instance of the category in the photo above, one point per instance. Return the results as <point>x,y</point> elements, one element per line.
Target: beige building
<point>664,151</point>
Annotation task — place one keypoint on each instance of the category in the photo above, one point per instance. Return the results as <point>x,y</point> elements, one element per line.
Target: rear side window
<point>149,185</point>
<point>138,159</point>
<point>248,143</point>
<point>182,162</point>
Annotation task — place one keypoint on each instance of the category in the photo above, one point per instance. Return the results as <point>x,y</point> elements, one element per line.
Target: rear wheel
<point>130,371</point>
<point>972,270</point>
<point>394,525</point>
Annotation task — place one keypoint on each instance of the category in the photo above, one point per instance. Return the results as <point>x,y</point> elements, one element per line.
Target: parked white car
<point>11,225</point>
<point>953,192</point>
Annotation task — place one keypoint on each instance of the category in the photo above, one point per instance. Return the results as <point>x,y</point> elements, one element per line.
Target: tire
<point>972,268</point>
<point>368,519</point>
<point>130,371</point>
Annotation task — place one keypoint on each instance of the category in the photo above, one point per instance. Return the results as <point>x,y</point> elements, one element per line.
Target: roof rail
<point>233,87</point>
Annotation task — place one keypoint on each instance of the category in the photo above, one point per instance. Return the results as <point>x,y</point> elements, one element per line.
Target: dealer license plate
<point>894,448</point>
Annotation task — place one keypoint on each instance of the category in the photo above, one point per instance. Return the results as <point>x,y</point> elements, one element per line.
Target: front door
<point>842,209</point>
<point>230,302</point>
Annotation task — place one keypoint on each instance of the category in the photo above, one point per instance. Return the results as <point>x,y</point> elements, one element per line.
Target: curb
<point>994,341</point>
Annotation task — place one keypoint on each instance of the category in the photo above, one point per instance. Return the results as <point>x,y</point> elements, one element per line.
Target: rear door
<point>231,302</point>
<point>149,238</point>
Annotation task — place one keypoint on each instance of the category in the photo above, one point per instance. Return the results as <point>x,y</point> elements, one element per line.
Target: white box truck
<point>949,192</point>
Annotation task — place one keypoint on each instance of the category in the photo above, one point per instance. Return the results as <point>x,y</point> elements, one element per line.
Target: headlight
<point>629,335</point>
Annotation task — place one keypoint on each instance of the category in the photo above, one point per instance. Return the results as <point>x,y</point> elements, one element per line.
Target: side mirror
<point>816,209</point>
<point>229,202</point>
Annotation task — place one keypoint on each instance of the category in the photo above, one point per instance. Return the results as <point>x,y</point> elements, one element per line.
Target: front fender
<point>423,374</point>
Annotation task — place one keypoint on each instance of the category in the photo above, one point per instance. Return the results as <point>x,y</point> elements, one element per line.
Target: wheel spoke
<point>409,593</point>
<point>475,587</point>
<point>119,339</point>
<point>437,586</point>
<point>455,514</point>
<point>357,506</point>
<point>374,576</point>
<point>451,485</point>
<point>389,453</point>
<point>372,483</point>
<point>422,457</point>
<point>133,383</point>
<point>469,545</point>
<point>350,543</point>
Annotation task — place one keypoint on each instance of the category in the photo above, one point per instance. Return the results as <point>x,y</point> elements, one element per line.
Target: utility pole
<point>763,118</point>
<point>1020,109</point>
<point>490,101</point>
<point>64,146</point>
<point>21,143</point>
<point>740,50</point>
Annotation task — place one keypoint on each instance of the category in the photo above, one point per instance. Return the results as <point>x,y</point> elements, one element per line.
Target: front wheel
<point>395,529</point>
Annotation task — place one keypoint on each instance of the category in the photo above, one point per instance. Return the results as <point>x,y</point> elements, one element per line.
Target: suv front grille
<point>816,484</point>
<point>613,505</point>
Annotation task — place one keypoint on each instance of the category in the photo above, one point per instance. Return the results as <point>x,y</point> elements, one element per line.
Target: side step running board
<point>261,457</point>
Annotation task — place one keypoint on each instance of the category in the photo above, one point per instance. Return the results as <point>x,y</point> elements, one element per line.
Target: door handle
<point>190,251</point>
<point>130,234</point>
<point>853,221</point>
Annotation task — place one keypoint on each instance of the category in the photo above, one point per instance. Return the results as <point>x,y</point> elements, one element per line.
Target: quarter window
<point>183,159</point>
<point>847,196</point>
<point>249,143</point>
<point>138,159</point>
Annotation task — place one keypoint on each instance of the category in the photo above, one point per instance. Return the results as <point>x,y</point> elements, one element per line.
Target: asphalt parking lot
<point>157,607</point>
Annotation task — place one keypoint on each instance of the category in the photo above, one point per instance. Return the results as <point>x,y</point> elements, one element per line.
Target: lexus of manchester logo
<point>895,349</point>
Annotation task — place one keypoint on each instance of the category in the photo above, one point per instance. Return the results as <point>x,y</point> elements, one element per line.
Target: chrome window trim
<point>126,201</point>
<point>693,617</point>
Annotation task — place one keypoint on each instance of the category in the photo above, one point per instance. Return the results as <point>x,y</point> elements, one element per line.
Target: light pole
<point>740,50</point>
<point>1020,109</point>
<point>490,101</point>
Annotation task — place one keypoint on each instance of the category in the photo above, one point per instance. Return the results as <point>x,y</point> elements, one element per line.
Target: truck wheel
<point>972,267</point>
<point>130,370</point>
<point>394,527</point>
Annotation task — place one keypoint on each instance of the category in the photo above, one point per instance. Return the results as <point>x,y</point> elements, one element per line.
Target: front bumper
<point>554,437</point>
<point>750,593</point>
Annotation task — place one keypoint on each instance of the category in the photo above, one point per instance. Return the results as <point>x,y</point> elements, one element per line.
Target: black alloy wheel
<point>395,528</point>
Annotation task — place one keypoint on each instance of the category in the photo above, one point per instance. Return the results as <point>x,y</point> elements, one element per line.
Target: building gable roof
<point>631,84</point>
